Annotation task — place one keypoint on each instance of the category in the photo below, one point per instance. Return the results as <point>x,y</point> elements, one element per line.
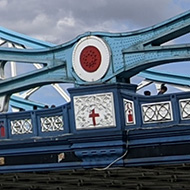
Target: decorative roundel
<point>91,58</point>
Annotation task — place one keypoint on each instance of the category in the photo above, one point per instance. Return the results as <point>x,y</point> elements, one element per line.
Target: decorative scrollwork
<point>94,111</point>
<point>185,108</point>
<point>53,123</point>
<point>157,112</point>
<point>19,127</point>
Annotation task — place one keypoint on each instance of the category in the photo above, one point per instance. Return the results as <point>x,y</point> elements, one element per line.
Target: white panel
<point>157,112</point>
<point>94,111</point>
<point>19,127</point>
<point>129,112</point>
<point>50,124</point>
<point>185,108</point>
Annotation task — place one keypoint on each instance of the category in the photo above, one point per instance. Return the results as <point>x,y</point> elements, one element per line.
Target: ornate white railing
<point>184,105</point>
<point>157,112</point>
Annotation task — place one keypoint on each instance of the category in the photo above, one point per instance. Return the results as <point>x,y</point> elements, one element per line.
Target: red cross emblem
<point>93,115</point>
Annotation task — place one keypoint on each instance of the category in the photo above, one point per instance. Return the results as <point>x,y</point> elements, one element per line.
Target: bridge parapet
<point>94,110</point>
<point>35,124</point>
<point>103,126</point>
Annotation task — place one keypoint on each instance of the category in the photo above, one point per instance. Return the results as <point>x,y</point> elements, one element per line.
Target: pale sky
<point>59,21</point>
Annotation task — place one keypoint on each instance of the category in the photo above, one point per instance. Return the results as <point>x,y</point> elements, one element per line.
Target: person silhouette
<point>163,89</point>
<point>147,93</point>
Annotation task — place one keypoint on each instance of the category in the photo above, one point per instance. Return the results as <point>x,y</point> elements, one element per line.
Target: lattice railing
<point>157,112</point>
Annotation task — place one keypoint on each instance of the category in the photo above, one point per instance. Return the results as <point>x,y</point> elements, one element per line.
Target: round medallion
<point>91,58</point>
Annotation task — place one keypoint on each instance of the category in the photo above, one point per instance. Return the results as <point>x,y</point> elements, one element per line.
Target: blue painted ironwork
<point>131,53</point>
<point>166,77</point>
<point>55,132</point>
<point>22,39</point>
<point>104,125</point>
<point>18,102</point>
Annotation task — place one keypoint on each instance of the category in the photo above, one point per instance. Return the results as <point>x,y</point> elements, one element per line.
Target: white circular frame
<point>105,58</point>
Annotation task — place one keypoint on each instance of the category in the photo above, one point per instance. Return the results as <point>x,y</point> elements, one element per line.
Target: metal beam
<point>166,77</point>
<point>131,52</point>
<point>18,102</point>
<point>22,39</point>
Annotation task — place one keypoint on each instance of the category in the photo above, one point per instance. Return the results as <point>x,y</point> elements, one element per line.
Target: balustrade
<point>96,112</point>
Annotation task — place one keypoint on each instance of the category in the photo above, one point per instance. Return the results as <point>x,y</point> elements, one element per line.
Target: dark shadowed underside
<point>175,177</point>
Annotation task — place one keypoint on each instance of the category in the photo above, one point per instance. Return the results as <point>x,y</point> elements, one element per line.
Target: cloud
<point>3,4</point>
<point>58,21</point>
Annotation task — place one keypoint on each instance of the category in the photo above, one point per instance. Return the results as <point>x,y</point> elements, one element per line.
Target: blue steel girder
<point>22,39</point>
<point>156,55</point>
<point>18,102</point>
<point>127,55</point>
<point>166,77</point>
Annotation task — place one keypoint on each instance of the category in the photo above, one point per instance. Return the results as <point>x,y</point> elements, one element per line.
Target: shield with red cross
<point>94,111</point>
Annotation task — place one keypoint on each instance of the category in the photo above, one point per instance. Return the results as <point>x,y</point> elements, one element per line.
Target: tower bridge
<point>106,128</point>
